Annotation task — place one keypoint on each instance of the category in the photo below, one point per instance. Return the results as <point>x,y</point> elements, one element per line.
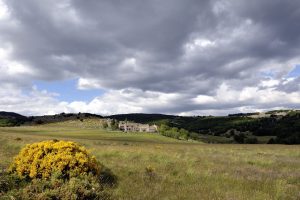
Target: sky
<point>193,57</point>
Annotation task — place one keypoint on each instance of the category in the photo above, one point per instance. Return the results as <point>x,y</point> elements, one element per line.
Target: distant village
<point>137,127</point>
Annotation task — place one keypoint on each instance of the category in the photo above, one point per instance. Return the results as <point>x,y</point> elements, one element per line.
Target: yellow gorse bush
<point>42,159</point>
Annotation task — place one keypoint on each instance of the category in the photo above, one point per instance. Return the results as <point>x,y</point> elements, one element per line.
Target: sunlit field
<point>150,166</point>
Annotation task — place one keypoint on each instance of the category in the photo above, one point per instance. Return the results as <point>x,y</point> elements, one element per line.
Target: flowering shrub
<point>42,159</point>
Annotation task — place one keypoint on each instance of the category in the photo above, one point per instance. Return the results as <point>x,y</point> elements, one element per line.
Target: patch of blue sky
<point>68,91</point>
<point>295,72</point>
<point>268,74</point>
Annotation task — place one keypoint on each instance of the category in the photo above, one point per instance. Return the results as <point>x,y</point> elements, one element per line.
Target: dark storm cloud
<point>290,86</point>
<point>189,47</point>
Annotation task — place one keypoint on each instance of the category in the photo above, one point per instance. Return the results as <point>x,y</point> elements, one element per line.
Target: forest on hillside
<point>286,129</point>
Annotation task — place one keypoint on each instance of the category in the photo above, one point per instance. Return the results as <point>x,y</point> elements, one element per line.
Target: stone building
<point>137,127</point>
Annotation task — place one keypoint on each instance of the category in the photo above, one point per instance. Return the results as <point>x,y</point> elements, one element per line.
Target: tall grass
<point>155,167</point>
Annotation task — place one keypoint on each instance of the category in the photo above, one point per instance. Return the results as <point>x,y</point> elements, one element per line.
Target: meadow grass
<point>150,166</point>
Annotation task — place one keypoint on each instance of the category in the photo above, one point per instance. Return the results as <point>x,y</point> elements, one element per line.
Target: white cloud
<point>4,11</point>
<point>85,84</point>
<point>226,100</point>
<point>269,83</point>
<point>13,72</point>
<point>199,43</point>
<point>204,99</point>
<point>33,102</point>
<point>10,67</point>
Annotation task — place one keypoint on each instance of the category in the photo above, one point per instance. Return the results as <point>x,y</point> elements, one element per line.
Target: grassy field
<point>150,166</point>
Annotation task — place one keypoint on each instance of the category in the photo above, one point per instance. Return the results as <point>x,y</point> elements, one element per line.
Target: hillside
<point>282,126</point>
<point>15,119</point>
<point>11,115</point>
<point>143,118</point>
<point>285,125</point>
<point>11,119</point>
<point>61,118</point>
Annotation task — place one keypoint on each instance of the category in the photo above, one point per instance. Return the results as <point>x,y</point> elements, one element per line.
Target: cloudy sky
<point>192,57</point>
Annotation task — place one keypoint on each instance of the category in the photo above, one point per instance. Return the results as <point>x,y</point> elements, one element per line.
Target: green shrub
<point>194,136</point>
<point>272,141</point>
<point>173,132</point>
<point>239,138</point>
<point>251,140</point>
<point>81,187</point>
<point>9,182</point>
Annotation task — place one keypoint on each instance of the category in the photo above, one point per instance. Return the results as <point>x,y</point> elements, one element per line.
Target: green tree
<point>184,134</point>
<point>163,128</point>
<point>104,125</point>
<point>114,124</point>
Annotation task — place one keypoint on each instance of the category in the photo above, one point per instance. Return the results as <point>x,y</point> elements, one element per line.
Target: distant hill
<point>61,118</point>
<point>11,115</point>
<point>143,118</point>
<point>11,119</point>
<point>15,119</point>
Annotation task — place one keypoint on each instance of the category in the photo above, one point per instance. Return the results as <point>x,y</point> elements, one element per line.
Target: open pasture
<point>150,166</point>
